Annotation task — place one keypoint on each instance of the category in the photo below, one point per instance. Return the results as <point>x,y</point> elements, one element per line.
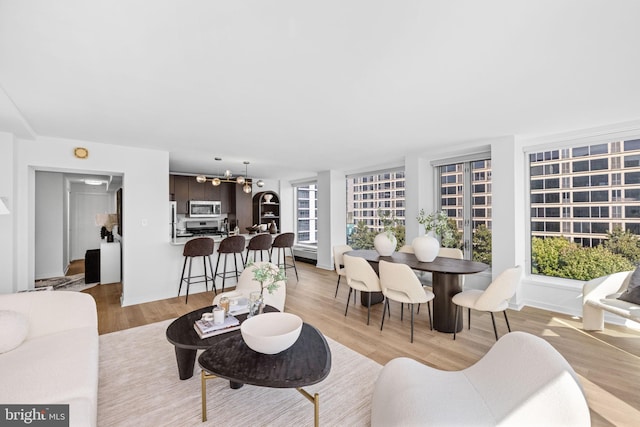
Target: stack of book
<point>206,328</point>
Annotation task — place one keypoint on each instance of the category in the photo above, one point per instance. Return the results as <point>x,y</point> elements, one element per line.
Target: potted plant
<point>270,276</point>
<point>436,225</point>
<point>385,242</point>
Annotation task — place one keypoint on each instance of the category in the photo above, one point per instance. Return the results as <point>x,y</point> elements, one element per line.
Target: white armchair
<point>246,285</point>
<point>521,381</point>
<point>602,294</point>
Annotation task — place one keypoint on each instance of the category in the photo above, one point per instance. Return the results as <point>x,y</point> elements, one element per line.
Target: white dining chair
<point>360,277</point>
<point>338,262</point>
<point>399,283</point>
<point>493,299</point>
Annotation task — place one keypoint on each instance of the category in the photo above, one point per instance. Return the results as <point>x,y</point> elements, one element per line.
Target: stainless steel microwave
<point>204,208</point>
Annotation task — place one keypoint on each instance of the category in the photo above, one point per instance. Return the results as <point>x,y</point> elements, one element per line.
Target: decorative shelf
<point>266,212</point>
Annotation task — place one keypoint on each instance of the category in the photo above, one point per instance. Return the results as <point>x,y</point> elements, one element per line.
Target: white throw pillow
<point>14,328</point>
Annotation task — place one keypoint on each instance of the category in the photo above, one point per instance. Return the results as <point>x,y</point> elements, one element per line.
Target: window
<point>632,178</point>
<point>471,209</point>
<point>632,195</point>
<point>362,225</point>
<point>306,221</point>
<point>600,191</point>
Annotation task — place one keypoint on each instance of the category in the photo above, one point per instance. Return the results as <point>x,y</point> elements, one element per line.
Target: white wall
<point>146,188</point>
<point>418,194</point>
<point>332,215</point>
<point>85,201</point>
<point>508,217</point>
<point>49,225</point>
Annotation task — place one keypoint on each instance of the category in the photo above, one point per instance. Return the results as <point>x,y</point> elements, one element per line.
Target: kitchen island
<point>177,245</point>
<point>182,240</point>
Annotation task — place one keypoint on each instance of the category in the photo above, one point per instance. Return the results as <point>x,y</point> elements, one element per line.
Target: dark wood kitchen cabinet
<point>243,212</point>
<point>196,189</point>
<point>211,192</point>
<point>180,192</point>
<point>183,188</point>
<point>227,197</point>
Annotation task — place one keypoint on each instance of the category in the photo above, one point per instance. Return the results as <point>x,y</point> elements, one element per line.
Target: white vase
<point>425,248</point>
<point>384,244</point>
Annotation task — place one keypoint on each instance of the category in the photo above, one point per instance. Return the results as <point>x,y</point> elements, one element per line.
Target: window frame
<point>615,141</point>
<point>466,162</point>
<point>311,209</point>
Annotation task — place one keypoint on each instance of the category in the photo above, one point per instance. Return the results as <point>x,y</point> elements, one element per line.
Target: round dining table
<point>446,273</point>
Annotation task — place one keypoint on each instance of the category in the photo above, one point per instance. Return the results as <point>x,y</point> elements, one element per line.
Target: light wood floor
<point>608,362</point>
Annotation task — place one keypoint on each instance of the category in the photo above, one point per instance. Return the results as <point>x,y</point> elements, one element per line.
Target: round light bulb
<point>240,180</point>
<point>227,174</point>
<point>246,188</point>
<point>201,178</point>
<point>215,181</point>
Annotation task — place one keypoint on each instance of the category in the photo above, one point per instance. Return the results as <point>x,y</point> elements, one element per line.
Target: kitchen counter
<point>176,248</point>
<point>181,241</point>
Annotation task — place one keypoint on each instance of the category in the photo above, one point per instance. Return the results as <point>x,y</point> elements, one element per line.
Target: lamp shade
<point>107,220</point>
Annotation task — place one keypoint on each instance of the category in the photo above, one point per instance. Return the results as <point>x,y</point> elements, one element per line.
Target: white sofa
<point>521,381</point>
<point>601,294</point>
<point>57,363</point>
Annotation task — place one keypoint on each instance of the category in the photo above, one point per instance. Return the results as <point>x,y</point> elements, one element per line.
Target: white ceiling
<point>296,87</point>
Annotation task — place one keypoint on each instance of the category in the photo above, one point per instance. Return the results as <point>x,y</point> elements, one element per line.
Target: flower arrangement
<point>438,222</point>
<point>268,275</point>
<point>388,222</point>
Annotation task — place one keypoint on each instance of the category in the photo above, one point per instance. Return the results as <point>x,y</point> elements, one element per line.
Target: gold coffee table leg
<point>315,399</point>
<point>203,380</point>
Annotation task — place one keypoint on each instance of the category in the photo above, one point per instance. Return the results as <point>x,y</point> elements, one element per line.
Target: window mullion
<point>466,210</point>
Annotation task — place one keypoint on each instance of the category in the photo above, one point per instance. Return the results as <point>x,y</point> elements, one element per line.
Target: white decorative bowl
<point>263,227</point>
<point>267,198</point>
<point>271,333</point>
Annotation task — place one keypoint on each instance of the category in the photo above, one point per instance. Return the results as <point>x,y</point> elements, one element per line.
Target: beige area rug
<point>65,283</point>
<point>139,386</point>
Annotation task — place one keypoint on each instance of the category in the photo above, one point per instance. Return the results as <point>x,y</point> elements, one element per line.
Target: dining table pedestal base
<point>445,286</point>
<point>376,298</point>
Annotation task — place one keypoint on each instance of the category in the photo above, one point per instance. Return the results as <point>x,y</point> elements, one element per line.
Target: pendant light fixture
<point>243,180</point>
<point>216,181</point>
<point>246,187</point>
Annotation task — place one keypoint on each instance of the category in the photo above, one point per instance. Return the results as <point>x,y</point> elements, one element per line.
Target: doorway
<point>66,205</point>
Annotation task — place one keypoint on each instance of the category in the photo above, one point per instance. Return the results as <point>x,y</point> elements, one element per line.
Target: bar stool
<point>200,246</point>
<point>230,245</point>
<point>261,242</point>
<point>280,243</point>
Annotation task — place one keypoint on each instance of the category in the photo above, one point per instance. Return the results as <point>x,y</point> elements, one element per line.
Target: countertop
<point>181,241</point>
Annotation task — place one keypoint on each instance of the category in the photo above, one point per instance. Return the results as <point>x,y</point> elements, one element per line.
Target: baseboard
<point>306,260</point>
<point>307,255</point>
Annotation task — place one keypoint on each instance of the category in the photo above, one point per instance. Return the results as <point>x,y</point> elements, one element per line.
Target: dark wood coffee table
<point>181,334</point>
<point>306,362</point>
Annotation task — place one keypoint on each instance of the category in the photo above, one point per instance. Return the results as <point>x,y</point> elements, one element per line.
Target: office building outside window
<point>465,196</point>
<point>307,214</point>
<point>589,197</point>
<point>366,195</point>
